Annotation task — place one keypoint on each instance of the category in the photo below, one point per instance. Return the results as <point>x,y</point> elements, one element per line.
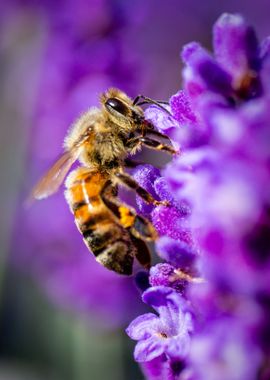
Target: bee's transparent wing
<point>55,176</point>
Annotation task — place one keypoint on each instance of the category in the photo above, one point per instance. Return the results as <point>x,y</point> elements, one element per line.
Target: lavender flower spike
<point>217,228</point>
<point>167,333</point>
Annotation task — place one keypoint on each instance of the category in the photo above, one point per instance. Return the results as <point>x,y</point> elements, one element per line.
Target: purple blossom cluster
<point>212,293</point>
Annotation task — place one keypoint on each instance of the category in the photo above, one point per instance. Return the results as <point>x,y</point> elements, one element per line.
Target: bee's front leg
<point>130,182</point>
<point>135,143</point>
<point>131,164</point>
<point>156,145</point>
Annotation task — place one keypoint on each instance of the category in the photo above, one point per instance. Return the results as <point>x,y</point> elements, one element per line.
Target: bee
<point>102,140</point>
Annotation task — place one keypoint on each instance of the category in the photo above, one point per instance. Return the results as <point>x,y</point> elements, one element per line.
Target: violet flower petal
<point>178,253</point>
<point>235,45</point>
<point>203,65</point>
<point>149,349</point>
<point>146,175</point>
<point>143,326</point>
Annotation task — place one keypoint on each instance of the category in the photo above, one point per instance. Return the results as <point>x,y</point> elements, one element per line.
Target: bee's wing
<point>54,177</point>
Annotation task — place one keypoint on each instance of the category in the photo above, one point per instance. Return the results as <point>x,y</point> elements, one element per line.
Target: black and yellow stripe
<point>108,241</point>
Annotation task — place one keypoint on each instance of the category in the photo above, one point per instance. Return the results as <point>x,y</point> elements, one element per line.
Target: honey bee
<point>103,139</point>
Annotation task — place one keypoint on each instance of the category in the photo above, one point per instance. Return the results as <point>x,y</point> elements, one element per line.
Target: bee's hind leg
<point>127,217</point>
<point>142,252</point>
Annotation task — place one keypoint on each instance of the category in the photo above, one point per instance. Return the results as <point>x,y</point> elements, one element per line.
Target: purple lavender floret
<point>164,274</point>
<point>224,354</point>
<point>236,47</point>
<point>161,274</point>
<point>178,253</point>
<point>168,220</point>
<point>217,227</point>
<point>146,176</point>
<point>166,333</point>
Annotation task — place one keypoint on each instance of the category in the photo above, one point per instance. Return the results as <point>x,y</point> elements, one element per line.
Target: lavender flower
<point>217,354</point>
<point>231,169</point>
<point>221,122</point>
<point>167,334</point>
<point>164,274</point>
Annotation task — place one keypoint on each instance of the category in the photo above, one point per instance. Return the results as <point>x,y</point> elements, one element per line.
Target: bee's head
<point>121,111</point>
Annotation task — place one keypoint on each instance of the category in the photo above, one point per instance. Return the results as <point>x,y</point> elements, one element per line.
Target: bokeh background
<point>62,316</point>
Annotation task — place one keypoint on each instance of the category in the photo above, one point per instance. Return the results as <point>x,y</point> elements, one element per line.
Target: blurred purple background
<point>56,58</point>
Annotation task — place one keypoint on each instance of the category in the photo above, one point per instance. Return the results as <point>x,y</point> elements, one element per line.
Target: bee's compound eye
<point>117,105</point>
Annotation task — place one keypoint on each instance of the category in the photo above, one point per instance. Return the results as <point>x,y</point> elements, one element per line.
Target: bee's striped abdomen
<point>108,240</point>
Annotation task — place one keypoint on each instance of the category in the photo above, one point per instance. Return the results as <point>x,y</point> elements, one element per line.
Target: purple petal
<point>265,48</point>
<point>235,45</point>
<point>162,189</point>
<point>202,64</point>
<point>178,253</point>
<point>175,316</point>
<point>182,109</point>
<point>160,119</point>
<point>161,274</point>
<point>163,122</point>
<point>178,346</point>
<point>148,349</point>
<point>164,192</point>
<point>225,351</point>
<point>167,302</point>
<point>157,369</point>
<point>146,175</point>
<point>156,296</point>
<point>169,221</point>
<point>143,326</point>
<point>192,135</point>
<point>265,57</point>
